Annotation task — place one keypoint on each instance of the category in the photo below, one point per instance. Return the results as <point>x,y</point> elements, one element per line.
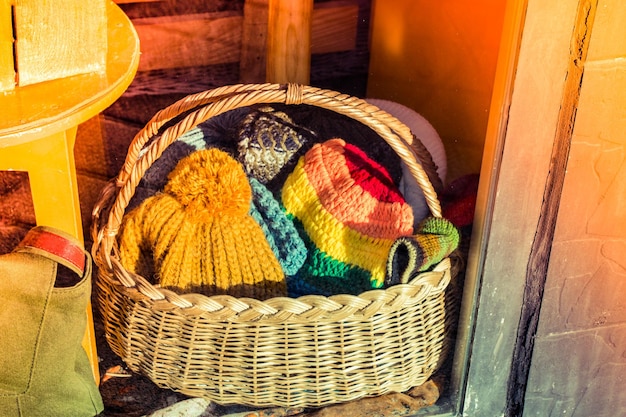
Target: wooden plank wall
<point>195,40</point>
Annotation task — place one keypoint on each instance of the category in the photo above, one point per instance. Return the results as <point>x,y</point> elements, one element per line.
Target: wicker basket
<point>310,351</point>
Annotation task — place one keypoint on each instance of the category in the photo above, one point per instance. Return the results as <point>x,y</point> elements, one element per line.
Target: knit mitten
<point>268,141</point>
<point>436,238</point>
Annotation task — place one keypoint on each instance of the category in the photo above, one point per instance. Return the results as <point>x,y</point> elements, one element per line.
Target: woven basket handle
<point>197,108</point>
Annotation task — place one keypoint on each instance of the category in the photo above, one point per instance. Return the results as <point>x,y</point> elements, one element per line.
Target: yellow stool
<point>38,130</point>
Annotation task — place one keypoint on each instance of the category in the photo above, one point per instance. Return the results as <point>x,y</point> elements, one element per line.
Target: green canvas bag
<point>45,287</point>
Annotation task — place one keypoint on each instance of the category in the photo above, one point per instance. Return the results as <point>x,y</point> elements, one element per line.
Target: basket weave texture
<point>309,351</point>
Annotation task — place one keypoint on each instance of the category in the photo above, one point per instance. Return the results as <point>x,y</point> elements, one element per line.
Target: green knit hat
<point>198,235</point>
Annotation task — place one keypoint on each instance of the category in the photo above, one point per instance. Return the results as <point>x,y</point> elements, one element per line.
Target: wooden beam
<point>289,41</point>
<point>538,261</point>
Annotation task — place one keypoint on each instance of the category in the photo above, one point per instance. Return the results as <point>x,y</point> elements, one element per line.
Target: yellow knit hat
<point>198,235</point>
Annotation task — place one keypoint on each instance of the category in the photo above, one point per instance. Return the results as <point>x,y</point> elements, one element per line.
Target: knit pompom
<point>220,131</point>
<point>198,235</point>
<point>210,183</point>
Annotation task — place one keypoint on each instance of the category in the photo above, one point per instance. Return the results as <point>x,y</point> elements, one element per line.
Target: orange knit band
<point>328,172</point>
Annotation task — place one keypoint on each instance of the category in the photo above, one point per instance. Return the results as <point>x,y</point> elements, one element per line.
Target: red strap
<point>44,239</point>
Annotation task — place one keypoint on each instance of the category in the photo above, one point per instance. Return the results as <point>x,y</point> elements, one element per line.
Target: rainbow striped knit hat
<point>349,213</point>
<point>198,234</point>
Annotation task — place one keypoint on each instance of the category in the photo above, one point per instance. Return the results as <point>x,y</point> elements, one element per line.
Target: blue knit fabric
<point>279,230</point>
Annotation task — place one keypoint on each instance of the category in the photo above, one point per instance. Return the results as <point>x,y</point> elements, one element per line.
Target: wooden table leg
<point>49,162</point>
